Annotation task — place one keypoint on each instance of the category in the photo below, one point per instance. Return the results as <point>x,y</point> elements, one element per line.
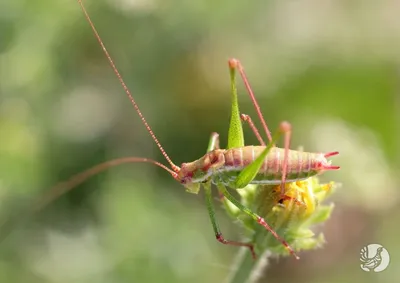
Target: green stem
<point>242,268</point>
<point>245,268</point>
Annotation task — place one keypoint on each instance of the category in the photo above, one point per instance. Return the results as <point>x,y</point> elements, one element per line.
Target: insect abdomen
<point>301,165</point>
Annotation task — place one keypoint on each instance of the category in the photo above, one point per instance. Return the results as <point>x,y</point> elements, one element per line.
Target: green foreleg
<point>214,144</point>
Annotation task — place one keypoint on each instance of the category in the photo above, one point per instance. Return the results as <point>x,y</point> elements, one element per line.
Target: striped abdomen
<point>300,165</point>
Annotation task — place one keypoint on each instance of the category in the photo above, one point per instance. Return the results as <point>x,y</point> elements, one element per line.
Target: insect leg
<point>217,231</point>
<point>293,199</point>
<point>287,133</point>
<point>247,118</point>
<point>256,217</point>
<point>214,142</point>
<point>235,64</point>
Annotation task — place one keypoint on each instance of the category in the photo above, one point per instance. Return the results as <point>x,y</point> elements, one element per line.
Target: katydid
<point>234,167</point>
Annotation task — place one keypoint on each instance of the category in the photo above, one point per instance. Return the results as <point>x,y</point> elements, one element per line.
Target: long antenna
<point>63,187</point>
<point>7,226</point>
<point>126,89</point>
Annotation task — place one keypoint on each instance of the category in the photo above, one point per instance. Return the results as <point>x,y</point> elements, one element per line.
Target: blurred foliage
<point>331,68</point>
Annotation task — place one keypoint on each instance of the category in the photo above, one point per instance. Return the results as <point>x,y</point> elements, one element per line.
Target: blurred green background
<point>331,68</point>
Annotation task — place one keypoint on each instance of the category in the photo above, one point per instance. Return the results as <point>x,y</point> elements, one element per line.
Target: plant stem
<point>245,268</point>
<point>248,270</point>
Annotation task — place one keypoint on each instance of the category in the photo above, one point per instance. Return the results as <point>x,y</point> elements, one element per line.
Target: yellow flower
<point>291,215</point>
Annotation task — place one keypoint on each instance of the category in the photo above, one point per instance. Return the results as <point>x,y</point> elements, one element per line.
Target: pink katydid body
<point>224,165</point>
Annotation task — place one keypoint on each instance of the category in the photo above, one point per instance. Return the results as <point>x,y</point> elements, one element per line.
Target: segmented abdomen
<point>301,165</point>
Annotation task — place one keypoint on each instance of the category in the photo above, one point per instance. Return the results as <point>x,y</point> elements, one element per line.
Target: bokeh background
<point>331,68</point>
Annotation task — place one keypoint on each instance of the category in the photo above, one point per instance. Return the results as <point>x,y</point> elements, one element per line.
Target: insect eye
<point>187,178</point>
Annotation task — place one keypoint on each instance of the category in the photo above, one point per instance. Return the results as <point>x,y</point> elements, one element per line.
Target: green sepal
<point>320,215</point>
